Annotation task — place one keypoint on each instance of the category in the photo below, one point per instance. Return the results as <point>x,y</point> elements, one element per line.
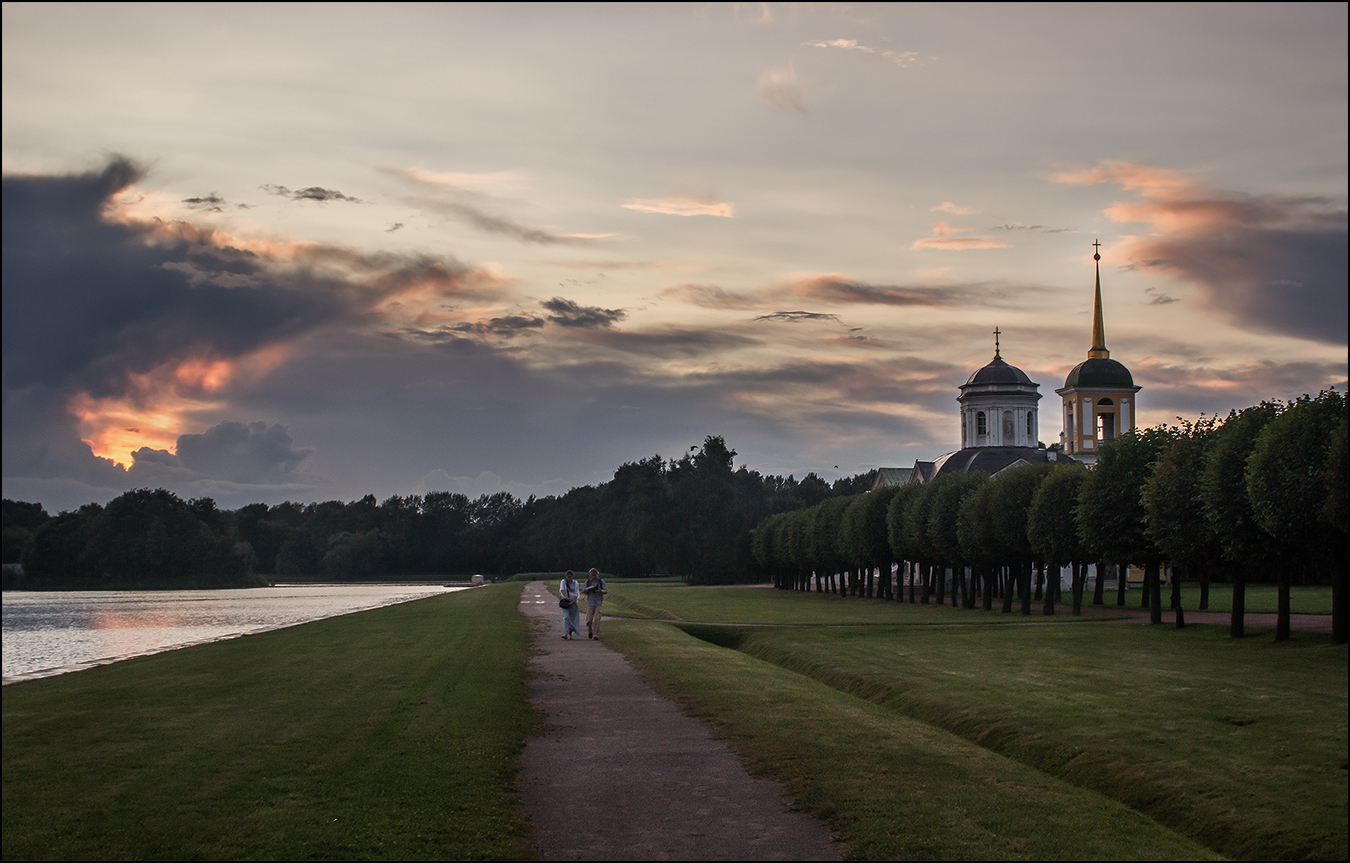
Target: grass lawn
<point>888,786</point>
<point>764,605</point>
<point>392,733</point>
<point>1260,598</point>
<point>1239,745</point>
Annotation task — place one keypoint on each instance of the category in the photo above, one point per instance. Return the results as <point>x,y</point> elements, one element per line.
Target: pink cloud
<point>678,205</point>
<point>946,237</point>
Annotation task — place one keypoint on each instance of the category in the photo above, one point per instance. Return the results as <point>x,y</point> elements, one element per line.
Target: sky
<point>308,252</point>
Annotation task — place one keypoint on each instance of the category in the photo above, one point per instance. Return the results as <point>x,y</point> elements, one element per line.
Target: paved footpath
<point>620,774</point>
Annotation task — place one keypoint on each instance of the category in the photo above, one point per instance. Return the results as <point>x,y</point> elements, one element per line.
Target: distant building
<point>1000,421</point>
<point>1099,402</point>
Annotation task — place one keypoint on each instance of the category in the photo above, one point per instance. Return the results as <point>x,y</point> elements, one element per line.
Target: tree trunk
<point>1148,588</point>
<point>1076,587</point>
<point>1176,599</point>
<point>1238,619</point>
<point>1121,572</point>
<point>911,582</point>
<point>1338,596</point>
<point>926,573</point>
<point>1049,608</point>
<point>1025,577</point>
<point>1040,582</point>
<point>1005,578</point>
<point>1282,621</point>
<point>1153,585</point>
<point>1204,589</point>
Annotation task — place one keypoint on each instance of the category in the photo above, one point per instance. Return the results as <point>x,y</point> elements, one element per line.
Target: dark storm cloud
<point>1268,263</point>
<point>93,306</point>
<point>253,454</point>
<point>797,316</point>
<point>311,193</point>
<point>567,313</point>
<point>1274,268</point>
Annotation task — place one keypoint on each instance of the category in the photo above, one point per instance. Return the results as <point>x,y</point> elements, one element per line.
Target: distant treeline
<point>1259,496</point>
<point>689,516</point>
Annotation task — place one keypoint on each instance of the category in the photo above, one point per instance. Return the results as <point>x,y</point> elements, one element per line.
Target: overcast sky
<point>277,252</point>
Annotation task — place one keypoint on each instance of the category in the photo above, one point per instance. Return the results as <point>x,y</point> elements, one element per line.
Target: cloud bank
<point>1267,263</point>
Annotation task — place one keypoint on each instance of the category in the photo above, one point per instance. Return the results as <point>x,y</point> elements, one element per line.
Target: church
<point>1000,422</point>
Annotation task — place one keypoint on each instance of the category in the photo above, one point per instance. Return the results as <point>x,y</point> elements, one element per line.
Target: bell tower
<point>1099,394</point>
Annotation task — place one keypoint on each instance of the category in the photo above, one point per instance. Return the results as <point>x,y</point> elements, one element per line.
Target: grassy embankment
<point>392,733</point>
<point>1240,746</point>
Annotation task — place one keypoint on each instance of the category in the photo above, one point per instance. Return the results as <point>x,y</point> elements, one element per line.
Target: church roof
<point>999,372</point>
<point>889,476</point>
<point>1099,372</point>
<point>984,459</point>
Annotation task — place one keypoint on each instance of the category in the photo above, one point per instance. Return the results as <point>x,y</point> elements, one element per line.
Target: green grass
<point>888,786</point>
<point>1259,598</point>
<point>1239,745</point>
<point>763,605</point>
<point>392,733</point>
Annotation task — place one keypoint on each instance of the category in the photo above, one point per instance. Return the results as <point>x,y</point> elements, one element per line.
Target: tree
<point>975,531</point>
<point>1287,486</point>
<point>1174,512</point>
<point>896,536</point>
<point>1110,513</point>
<point>1246,546</point>
<point>1013,491</point>
<point>1051,528</point>
<point>947,494</point>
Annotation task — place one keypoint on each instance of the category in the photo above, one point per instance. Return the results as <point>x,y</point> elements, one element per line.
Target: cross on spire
<point>996,335</point>
<point>1097,251</point>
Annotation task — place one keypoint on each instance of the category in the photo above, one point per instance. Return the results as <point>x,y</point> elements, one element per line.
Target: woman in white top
<point>570,592</point>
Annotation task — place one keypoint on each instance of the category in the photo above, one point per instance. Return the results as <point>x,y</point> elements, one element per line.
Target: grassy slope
<point>889,787</point>
<point>1241,745</point>
<point>391,733</point>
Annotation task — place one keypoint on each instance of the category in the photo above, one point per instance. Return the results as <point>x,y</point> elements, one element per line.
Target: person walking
<point>569,593</point>
<point>595,591</point>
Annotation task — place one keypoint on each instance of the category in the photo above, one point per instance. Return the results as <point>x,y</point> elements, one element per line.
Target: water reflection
<point>52,632</point>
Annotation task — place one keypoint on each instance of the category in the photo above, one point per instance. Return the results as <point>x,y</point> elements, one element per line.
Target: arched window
<point>1105,402</point>
<point>981,424</point>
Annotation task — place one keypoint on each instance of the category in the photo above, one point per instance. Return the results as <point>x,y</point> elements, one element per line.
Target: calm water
<point>50,632</point>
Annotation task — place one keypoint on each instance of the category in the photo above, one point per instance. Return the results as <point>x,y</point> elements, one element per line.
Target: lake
<point>54,632</point>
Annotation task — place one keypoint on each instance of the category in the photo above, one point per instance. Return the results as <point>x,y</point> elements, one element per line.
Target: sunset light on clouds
<point>363,248</point>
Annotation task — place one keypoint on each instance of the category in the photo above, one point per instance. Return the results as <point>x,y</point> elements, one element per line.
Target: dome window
<point>981,423</point>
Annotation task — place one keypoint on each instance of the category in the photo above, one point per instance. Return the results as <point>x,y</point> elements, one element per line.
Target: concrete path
<point>620,774</point>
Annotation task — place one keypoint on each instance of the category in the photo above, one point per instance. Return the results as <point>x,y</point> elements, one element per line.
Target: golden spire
<point>1098,351</point>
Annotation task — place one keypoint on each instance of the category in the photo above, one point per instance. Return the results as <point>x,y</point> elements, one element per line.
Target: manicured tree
<point>1246,546</point>
<point>1110,513</point>
<point>948,493</point>
<point>1287,486</point>
<point>1334,511</point>
<point>761,547</point>
<point>864,531</point>
<point>975,530</point>
<point>1015,488</point>
<point>1051,526</point>
<point>825,536</point>
<point>915,539</point>
<point>849,539</point>
<point>1174,513</point>
<point>896,537</point>
<point>798,532</point>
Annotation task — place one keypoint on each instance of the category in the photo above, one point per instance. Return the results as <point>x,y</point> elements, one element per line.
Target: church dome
<point>1095,373</point>
<point>999,372</point>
